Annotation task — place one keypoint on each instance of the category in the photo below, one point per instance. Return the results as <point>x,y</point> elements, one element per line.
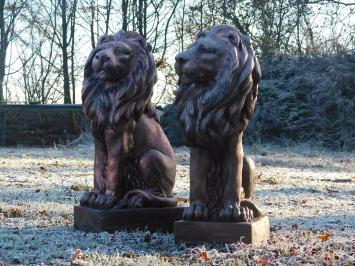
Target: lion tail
<point>251,205</point>
<point>138,198</point>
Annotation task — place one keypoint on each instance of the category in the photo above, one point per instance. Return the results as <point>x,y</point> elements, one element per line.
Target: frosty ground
<point>308,193</point>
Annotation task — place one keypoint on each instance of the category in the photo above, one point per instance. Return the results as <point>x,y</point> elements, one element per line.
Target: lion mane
<point>223,109</point>
<point>115,103</point>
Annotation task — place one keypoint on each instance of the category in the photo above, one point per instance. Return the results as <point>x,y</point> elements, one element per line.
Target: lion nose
<point>102,57</point>
<point>181,57</point>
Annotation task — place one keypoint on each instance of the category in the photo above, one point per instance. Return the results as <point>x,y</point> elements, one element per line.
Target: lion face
<point>116,55</point>
<point>113,63</point>
<point>203,59</point>
<point>218,86</point>
<point>119,76</point>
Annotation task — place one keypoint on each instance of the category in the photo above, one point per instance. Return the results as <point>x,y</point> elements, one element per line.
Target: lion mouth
<point>101,75</point>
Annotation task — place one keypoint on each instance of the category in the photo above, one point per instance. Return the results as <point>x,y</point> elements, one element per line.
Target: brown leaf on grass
<point>38,190</point>
<point>293,250</point>
<point>43,213</point>
<point>294,226</point>
<point>258,177</point>
<point>129,255</point>
<point>43,168</point>
<point>77,187</point>
<point>182,199</point>
<point>15,212</point>
<point>55,163</point>
<point>325,235</point>
<point>271,181</point>
<point>263,262</point>
<point>167,258</point>
<point>203,255</point>
<point>78,255</point>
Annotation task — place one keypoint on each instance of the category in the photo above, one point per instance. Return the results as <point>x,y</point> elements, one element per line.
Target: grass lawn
<point>309,195</point>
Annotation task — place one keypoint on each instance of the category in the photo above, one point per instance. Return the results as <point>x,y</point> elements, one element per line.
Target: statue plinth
<point>255,232</point>
<point>153,219</point>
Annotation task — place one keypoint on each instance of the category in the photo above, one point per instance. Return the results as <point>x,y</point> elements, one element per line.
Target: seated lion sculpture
<point>134,161</point>
<point>218,86</point>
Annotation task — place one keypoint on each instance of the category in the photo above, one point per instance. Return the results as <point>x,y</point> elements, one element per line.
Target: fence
<point>5,108</point>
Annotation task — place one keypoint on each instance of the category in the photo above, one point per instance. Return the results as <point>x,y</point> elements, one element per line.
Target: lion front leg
<point>117,145</point>
<point>89,198</point>
<point>230,208</point>
<point>199,170</point>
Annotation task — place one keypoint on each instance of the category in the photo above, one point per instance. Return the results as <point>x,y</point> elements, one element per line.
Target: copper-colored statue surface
<point>218,86</point>
<point>134,161</point>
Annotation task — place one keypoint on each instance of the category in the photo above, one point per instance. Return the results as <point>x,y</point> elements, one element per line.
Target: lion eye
<point>207,50</point>
<point>121,51</point>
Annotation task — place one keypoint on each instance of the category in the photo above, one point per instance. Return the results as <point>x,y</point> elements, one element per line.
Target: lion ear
<point>142,42</point>
<point>145,44</point>
<point>233,38</point>
<point>200,34</point>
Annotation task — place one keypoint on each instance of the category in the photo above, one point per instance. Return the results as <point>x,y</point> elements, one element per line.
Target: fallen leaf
<point>43,213</point>
<point>325,235</point>
<point>182,199</point>
<point>271,181</point>
<point>43,168</point>
<point>39,190</point>
<point>204,255</point>
<point>77,187</point>
<point>294,226</point>
<point>263,262</point>
<point>78,254</point>
<point>128,255</point>
<point>167,258</point>
<point>14,212</point>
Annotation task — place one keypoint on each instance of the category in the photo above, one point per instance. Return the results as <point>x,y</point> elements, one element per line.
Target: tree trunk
<point>124,14</point>
<point>66,79</point>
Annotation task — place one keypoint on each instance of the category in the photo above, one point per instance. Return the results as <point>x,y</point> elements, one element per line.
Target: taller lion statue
<point>218,87</point>
<point>134,161</point>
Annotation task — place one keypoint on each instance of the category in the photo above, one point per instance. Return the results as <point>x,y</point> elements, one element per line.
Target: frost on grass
<point>308,194</point>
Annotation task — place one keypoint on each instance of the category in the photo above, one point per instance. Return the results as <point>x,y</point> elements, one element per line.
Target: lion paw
<point>196,211</point>
<point>105,200</point>
<point>88,198</point>
<point>235,213</point>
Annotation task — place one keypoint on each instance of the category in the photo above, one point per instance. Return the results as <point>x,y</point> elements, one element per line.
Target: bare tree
<point>9,14</point>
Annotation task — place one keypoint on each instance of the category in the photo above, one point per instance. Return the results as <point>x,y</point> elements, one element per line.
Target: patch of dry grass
<point>308,194</point>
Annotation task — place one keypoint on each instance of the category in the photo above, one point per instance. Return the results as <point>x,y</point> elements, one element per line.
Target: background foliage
<point>306,48</point>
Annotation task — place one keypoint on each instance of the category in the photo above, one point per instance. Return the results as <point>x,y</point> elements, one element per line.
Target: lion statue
<point>218,87</point>
<point>134,161</point>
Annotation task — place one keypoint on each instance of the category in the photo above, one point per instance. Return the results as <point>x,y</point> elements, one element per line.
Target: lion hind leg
<point>158,171</point>
<point>248,177</point>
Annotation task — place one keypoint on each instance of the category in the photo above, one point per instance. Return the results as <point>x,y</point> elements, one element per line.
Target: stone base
<point>255,232</point>
<point>154,219</point>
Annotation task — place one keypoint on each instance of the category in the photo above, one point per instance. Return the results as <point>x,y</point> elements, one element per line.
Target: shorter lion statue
<point>134,161</point>
<point>218,87</point>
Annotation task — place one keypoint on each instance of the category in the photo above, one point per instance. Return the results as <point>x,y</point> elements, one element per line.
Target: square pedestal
<point>255,232</point>
<point>154,219</point>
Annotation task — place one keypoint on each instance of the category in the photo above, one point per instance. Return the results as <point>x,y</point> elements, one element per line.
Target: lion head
<point>218,86</point>
<point>119,76</point>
